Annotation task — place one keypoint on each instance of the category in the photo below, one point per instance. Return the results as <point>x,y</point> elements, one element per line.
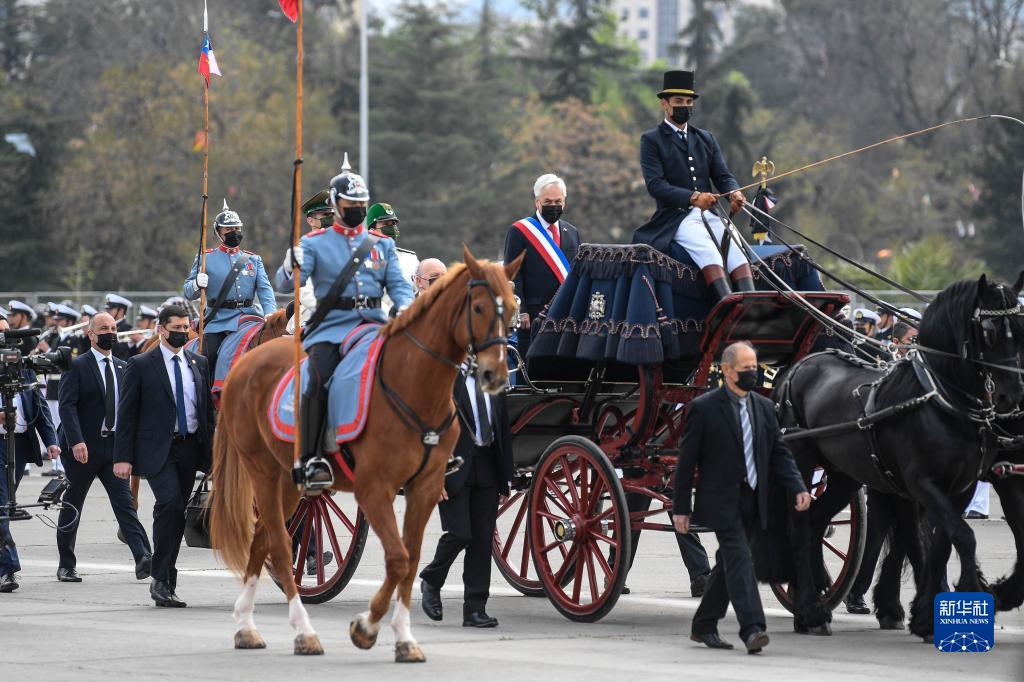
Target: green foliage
<point>932,263</point>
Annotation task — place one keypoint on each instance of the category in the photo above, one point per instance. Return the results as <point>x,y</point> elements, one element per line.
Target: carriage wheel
<point>843,549</point>
<point>576,514</point>
<point>511,548</point>
<point>320,525</point>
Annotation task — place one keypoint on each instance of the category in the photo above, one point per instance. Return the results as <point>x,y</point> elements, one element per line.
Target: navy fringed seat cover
<point>635,305</point>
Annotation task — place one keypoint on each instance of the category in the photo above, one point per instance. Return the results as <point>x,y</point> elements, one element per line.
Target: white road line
<point>683,604</point>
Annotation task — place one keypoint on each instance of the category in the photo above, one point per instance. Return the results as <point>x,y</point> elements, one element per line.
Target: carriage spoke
<point>296,519</point>
<point>611,541</point>
<point>524,564</point>
<point>318,512</point>
<point>841,555</point>
<point>559,498</point>
<point>591,573</point>
<point>596,491</point>
<point>560,574</point>
<point>561,545</point>
<point>570,483</point>
<point>520,515</point>
<point>300,558</point>
<point>341,514</point>
<point>577,579</point>
<point>509,502</point>
<point>339,556</point>
<point>584,487</point>
<point>601,561</point>
<point>545,514</point>
<point>605,514</point>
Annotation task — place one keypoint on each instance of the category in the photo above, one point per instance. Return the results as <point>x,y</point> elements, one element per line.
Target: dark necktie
<point>483,418</point>
<point>179,397</point>
<point>111,403</point>
<point>748,444</point>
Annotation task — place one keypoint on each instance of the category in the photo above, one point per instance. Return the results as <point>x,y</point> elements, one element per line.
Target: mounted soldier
<point>346,298</point>
<point>382,220</point>
<point>683,167</point>
<point>239,281</point>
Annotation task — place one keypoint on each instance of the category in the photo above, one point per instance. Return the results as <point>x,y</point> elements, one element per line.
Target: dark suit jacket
<point>146,412</point>
<point>124,349</point>
<point>37,417</point>
<point>535,283</point>
<point>502,445</point>
<point>82,404</point>
<point>666,164</point>
<point>712,443</point>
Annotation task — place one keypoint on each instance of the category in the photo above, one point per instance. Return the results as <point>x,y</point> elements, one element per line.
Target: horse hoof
<point>890,624</point>
<point>823,630</point>
<point>360,637</point>
<point>928,639</point>
<point>308,645</point>
<point>408,652</point>
<point>249,639</point>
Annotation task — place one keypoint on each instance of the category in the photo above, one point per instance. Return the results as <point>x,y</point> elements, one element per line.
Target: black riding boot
<point>717,282</point>
<point>316,471</point>
<point>743,279</point>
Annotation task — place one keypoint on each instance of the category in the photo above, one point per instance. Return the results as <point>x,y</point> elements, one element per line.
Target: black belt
<point>359,302</point>
<point>107,434</point>
<point>247,303</point>
<point>177,437</point>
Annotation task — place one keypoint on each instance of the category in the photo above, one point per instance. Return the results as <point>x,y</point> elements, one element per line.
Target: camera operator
<point>32,421</point>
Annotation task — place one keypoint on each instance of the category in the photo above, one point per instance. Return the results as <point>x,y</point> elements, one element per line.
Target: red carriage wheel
<point>576,514</point>
<point>843,549</point>
<point>511,548</point>
<point>320,526</point>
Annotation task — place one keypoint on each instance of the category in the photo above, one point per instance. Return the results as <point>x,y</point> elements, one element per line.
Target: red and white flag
<point>207,60</point>
<point>290,8</point>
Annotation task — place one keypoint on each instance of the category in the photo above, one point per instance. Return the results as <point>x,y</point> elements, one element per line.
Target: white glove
<point>202,279</point>
<point>287,265</point>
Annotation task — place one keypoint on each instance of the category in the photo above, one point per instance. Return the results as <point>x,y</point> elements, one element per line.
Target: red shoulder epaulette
<point>316,232</point>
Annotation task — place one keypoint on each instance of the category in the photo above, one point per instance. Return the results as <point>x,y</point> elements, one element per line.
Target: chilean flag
<point>290,9</point>
<point>207,60</point>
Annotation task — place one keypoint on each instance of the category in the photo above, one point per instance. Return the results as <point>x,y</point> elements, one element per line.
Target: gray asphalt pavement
<point>106,627</point>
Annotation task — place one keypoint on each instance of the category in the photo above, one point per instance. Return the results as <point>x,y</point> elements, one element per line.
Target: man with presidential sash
<point>550,244</point>
<point>249,294</point>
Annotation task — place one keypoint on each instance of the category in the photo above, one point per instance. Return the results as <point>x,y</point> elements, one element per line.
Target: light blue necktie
<point>179,397</point>
<point>748,444</point>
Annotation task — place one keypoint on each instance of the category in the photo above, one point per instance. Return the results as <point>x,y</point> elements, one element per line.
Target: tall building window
<point>642,35</point>
<point>625,14</point>
<point>643,12</point>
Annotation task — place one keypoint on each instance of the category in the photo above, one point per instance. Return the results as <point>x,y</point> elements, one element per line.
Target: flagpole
<point>202,226</point>
<point>296,193</point>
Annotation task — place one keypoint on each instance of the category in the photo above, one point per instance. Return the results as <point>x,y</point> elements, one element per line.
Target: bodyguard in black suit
<point>164,434</point>
<point>88,416</point>
<point>731,436</point>
<point>683,168</point>
<point>470,507</point>
<point>540,274</point>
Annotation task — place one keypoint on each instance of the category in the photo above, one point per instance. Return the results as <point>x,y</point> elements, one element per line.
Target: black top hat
<point>677,83</point>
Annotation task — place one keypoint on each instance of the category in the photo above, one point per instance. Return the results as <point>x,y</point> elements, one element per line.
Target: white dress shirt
<point>101,360</point>
<point>471,388</point>
<point>676,128</point>
<point>20,425</point>
<point>547,226</point>
<point>188,383</point>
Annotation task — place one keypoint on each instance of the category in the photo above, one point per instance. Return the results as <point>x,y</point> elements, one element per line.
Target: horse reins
<point>431,436</point>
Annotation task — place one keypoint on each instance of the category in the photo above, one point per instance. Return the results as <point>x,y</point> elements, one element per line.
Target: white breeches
<point>693,236</point>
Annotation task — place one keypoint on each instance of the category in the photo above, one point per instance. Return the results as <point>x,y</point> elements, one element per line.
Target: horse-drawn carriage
<point>596,416</point>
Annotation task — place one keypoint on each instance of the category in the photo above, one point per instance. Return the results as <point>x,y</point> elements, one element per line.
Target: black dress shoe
<point>625,589</point>
<point>855,604</point>
<point>164,596</point>
<point>68,575</point>
<point>478,619</point>
<point>430,600</point>
<point>710,640</point>
<point>311,562</point>
<point>144,567</point>
<point>8,583</point>
<point>756,641</point>
<point>975,515</point>
<point>698,584</point>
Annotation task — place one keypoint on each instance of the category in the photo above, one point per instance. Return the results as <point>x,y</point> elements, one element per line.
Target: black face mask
<point>551,212</point>
<point>106,341</point>
<point>353,216</point>
<point>232,239</point>
<point>680,115</point>
<point>177,339</point>
<point>746,380</point>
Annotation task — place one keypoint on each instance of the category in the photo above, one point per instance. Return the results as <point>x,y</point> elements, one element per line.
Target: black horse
<point>918,429</point>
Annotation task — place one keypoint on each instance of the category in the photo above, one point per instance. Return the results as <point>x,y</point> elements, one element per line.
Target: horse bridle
<point>431,436</point>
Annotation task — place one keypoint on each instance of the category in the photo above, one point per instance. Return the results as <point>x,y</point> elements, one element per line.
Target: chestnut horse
<point>462,314</point>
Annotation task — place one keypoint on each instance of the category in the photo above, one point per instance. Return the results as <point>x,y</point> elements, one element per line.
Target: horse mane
<point>944,323</point>
<point>424,300</point>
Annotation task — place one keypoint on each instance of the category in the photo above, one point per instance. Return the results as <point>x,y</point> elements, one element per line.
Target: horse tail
<point>230,505</point>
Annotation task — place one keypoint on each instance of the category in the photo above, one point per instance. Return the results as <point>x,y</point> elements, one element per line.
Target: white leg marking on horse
<point>245,604</point>
<point>366,626</point>
<point>298,618</point>
<point>400,623</point>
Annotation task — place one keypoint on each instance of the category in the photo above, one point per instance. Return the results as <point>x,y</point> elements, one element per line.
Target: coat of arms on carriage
<point>596,309</point>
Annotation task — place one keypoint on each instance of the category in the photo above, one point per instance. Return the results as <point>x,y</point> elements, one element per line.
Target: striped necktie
<point>748,444</point>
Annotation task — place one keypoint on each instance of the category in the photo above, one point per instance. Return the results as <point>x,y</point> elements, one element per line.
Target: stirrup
<point>316,475</point>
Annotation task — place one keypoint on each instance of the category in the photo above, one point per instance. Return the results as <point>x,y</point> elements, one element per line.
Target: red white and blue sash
<point>545,245</point>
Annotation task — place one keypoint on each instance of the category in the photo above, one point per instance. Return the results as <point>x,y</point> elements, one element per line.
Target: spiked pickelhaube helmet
<point>227,218</point>
<point>348,185</point>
